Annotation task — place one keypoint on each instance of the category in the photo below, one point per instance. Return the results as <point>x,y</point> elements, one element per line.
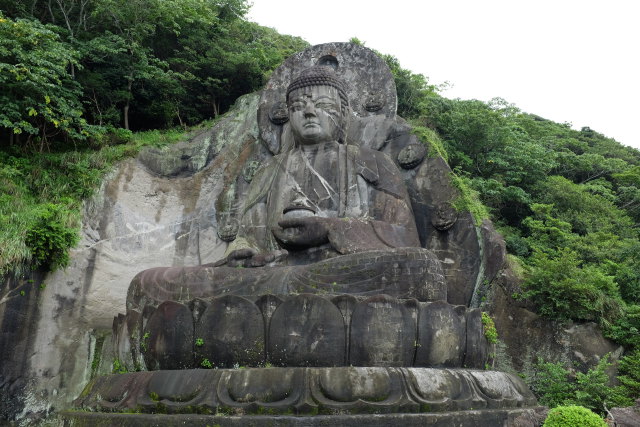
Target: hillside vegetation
<point>79,76</point>
<point>567,202</point>
<point>568,205</point>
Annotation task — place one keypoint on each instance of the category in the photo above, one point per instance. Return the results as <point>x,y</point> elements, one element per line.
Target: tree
<point>39,96</point>
<point>585,211</point>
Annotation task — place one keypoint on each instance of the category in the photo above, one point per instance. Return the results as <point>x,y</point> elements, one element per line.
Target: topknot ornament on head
<point>319,76</point>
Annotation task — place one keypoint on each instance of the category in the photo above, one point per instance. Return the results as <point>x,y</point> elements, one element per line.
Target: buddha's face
<point>315,114</point>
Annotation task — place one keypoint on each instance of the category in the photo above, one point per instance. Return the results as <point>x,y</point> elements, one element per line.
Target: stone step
<point>305,391</point>
<point>520,417</point>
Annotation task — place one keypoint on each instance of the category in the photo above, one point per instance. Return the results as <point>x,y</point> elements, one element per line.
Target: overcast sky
<point>575,61</point>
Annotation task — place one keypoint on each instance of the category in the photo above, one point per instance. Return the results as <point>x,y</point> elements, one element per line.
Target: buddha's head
<point>318,106</point>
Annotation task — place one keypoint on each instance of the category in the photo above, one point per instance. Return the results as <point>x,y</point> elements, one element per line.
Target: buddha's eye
<point>297,106</point>
<point>326,105</point>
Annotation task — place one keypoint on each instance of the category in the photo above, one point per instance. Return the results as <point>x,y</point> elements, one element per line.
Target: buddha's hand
<point>305,232</point>
<point>248,257</point>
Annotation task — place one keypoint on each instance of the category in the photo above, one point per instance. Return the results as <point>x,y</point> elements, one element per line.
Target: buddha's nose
<point>309,109</point>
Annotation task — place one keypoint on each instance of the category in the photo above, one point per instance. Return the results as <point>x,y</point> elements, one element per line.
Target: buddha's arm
<point>350,235</point>
<point>390,223</point>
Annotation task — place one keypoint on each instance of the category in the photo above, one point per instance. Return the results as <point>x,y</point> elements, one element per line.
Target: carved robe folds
<point>373,247</point>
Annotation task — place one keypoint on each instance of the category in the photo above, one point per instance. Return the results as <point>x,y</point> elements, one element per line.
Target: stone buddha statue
<point>324,216</point>
<point>326,292</point>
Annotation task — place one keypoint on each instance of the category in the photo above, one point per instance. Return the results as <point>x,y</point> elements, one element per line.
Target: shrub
<point>592,390</point>
<point>551,383</point>
<point>625,330</point>
<point>573,416</point>
<point>554,385</point>
<point>629,377</point>
<point>50,238</point>
<point>563,287</point>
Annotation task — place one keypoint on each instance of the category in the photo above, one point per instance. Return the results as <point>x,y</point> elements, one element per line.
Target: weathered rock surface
<point>19,302</point>
<point>527,336</point>
<point>625,417</point>
<point>140,218</point>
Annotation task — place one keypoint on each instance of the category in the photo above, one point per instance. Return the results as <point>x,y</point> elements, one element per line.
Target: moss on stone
<point>468,200</point>
<point>97,355</point>
<point>431,140</point>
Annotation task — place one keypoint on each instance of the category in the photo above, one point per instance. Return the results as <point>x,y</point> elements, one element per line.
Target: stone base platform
<point>300,330</point>
<point>305,396</point>
<point>521,417</point>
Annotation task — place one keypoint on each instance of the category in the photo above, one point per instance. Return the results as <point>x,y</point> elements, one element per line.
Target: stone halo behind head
<point>360,69</point>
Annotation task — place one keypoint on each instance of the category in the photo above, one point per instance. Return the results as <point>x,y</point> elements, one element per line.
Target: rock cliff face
<point>526,337</point>
<point>158,209</point>
<point>177,206</point>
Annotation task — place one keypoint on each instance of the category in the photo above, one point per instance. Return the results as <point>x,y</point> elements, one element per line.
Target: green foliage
<point>554,385</point>
<point>206,364</point>
<point>41,196</point>
<point>573,416</point>
<point>551,384</point>
<point>50,238</point>
<point>591,389</point>
<point>629,378</point>
<point>431,139</point>
<point>119,367</point>
<point>626,328</point>
<point>568,203</point>
<point>490,332</point>
<point>144,342</point>
<point>579,206</point>
<point>468,199</point>
<point>413,89</point>
<point>199,342</point>
<point>563,288</point>
<point>140,64</point>
<point>39,96</point>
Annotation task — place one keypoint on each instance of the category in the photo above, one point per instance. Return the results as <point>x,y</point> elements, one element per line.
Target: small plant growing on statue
<point>143,341</point>
<point>119,367</point>
<point>490,332</point>
<point>206,364</point>
<point>199,342</point>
